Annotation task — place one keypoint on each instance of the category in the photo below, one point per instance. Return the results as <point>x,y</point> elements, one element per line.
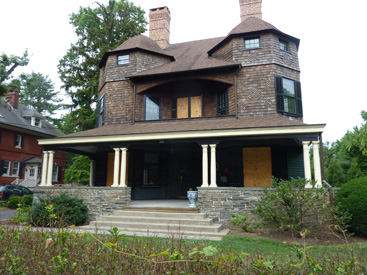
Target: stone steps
<point>158,223</point>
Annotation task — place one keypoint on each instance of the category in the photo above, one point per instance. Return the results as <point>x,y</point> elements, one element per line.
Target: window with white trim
<point>6,168</point>
<point>55,173</point>
<point>35,121</point>
<point>253,43</point>
<point>15,170</point>
<point>123,59</point>
<point>18,141</point>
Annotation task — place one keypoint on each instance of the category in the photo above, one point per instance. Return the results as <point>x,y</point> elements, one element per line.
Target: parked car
<point>13,190</point>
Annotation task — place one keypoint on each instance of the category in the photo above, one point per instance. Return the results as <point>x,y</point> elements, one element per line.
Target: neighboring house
<point>20,153</point>
<point>220,112</point>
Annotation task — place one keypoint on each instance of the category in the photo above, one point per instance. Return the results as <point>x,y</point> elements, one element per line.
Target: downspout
<point>134,100</point>
<point>235,90</point>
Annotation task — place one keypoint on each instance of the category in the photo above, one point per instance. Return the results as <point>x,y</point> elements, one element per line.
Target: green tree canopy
<point>7,66</point>
<point>38,93</point>
<point>98,30</point>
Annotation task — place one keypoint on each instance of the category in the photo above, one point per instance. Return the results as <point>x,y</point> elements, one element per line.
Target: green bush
<point>352,197</point>
<point>25,201</point>
<point>291,206</point>
<point>61,210</point>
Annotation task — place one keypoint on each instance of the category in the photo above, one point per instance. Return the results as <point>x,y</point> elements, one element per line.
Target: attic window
<point>123,60</point>
<point>252,43</point>
<point>283,45</point>
<point>36,122</point>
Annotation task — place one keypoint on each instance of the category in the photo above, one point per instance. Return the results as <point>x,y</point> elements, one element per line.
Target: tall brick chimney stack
<point>13,98</point>
<point>250,8</point>
<point>159,26</point>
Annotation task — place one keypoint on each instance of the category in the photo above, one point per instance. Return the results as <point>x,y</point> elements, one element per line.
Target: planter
<point>193,197</point>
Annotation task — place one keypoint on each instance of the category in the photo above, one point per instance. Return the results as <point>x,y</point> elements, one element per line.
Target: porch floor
<point>182,203</point>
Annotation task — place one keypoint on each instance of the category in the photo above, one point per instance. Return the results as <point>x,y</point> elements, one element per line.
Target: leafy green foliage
<point>99,30</point>
<point>24,201</point>
<point>38,94</point>
<point>291,206</point>
<point>7,66</point>
<point>243,221</point>
<point>59,210</point>
<point>352,197</point>
<point>79,171</point>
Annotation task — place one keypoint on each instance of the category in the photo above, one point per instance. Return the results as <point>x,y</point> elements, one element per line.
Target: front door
<point>32,175</point>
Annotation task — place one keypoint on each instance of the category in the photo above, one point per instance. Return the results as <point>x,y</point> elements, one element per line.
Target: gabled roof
<point>252,26</point>
<point>189,56</point>
<point>20,120</point>
<point>139,42</point>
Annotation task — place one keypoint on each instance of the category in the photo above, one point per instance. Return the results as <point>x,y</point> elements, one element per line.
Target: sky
<point>332,52</point>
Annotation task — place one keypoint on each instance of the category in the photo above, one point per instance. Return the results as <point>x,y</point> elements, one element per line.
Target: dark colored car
<point>13,190</point>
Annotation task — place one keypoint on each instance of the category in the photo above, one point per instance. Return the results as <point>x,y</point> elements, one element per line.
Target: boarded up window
<point>257,171</point>
<point>185,107</point>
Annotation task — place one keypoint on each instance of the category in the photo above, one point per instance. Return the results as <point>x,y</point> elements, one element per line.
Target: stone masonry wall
<point>100,200</point>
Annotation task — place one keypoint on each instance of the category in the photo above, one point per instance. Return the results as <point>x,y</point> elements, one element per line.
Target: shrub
<point>61,210</point>
<point>243,221</point>
<point>352,197</point>
<point>25,201</point>
<point>291,206</point>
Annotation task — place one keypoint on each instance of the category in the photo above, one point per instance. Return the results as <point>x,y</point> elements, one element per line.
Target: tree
<point>334,173</point>
<point>38,94</point>
<point>78,172</point>
<point>7,66</point>
<point>355,144</point>
<point>98,30</point>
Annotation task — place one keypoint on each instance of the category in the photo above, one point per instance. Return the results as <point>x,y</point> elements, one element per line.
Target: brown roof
<point>182,125</point>
<point>189,56</point>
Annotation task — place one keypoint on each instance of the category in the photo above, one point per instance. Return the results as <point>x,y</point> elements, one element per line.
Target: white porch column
<point>44,168</point>
<point>213,166</point>
<point>92,172</point>
<point>307,163</point>
<point>317,163</point>
<point>50,167</point>
<point>116,168</point>
<point>123,168</point>
<point>205,166</point>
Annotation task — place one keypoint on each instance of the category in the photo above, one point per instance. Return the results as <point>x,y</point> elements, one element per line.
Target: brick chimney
<point>159,26</point>
<point>13,98</point>
<point>250,8</point>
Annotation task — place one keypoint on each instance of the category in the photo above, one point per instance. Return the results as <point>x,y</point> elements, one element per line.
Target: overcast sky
<point>332,53</point>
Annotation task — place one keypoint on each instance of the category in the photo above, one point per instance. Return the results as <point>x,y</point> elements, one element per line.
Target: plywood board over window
<point>183,107</point>
<point>196,106</point>
<point>189,107</point>
<point>257,168</point>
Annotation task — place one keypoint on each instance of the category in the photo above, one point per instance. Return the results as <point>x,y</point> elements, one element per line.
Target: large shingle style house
<point>220,112</point>
<point>20,153</point>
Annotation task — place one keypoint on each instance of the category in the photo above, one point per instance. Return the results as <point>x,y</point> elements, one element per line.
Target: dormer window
<point>253,43</point>
<point>283,45</point>
<point>35,121</point>
<point>123,60</point>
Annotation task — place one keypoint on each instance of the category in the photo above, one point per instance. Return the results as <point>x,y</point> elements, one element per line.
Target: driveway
<point>6,213</point>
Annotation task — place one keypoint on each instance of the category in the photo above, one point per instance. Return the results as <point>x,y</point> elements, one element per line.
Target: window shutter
<point>20,173</point>
<point>1,134</point>
<point>98,108</point>
<point>22,141</point>
<point>15,140</point>
<point>299,111</point>
<point>279,94</point>
<point>2,167</point>
<point>59,173</point>
<point>174,107</point>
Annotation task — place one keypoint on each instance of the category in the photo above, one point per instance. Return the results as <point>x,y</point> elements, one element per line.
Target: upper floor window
<point>288,96</point>
<point>18,141</point>
<point>185,107</point>
<point>252,43</point>
<point>152,108</point>
<point>123,59</point>
<point>35,121</point>
<point>222,103</point>
<point>1,134</point>
<point>15,170</point>
<point>283,45</point>
<point>101,110</point>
